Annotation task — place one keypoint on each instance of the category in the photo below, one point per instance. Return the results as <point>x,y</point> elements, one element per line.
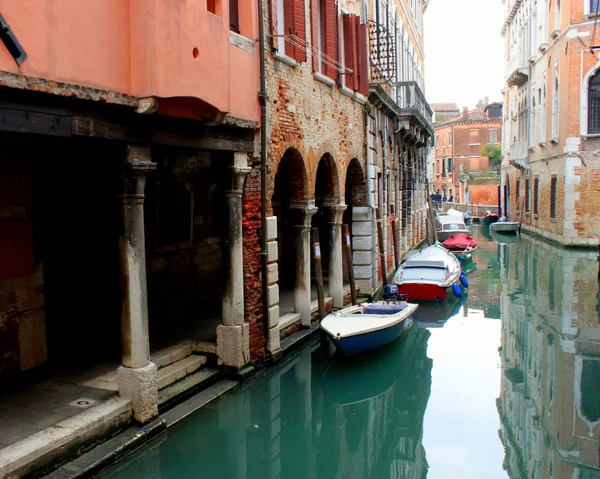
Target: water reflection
<point>310,417</point>
<point>549,403</point>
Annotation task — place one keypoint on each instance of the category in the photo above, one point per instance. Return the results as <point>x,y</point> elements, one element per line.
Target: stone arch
<point>327,185</point>
<point>355,190</point>
<point>290,191</point>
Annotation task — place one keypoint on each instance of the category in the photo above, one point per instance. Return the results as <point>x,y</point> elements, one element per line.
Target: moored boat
<point>430,274</point>
<point>461,245</point>
<point>489,218</point>
<point>505,227</point>
<point>364,327</point>
<point>448,225</point>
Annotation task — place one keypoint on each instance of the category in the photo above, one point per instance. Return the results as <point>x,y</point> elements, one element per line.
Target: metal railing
<point>409,96</point>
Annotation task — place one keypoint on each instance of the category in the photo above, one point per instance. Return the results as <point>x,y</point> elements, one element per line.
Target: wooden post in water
<point>395,239</point>
<point>348,250</point>
<point>318,272</point>
<point>380,245</point>
<point>431,222</point>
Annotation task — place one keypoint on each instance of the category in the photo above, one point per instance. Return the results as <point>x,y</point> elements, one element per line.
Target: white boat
<point>428,275</point>
<point>505,227</point>
<point>450,225</point>
<point>357,329</point>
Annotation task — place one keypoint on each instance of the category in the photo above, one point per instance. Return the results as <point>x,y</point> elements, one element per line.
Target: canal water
<point>504,383</point>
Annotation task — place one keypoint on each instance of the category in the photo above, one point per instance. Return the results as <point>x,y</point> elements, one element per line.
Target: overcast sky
<point>463,51</point>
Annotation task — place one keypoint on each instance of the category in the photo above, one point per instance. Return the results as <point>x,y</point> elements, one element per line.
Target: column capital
<point>238,177</point>
<point>303,214</point>
<point>335,212</point>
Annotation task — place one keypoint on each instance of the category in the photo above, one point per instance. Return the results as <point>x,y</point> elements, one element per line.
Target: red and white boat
<point>431,275</point>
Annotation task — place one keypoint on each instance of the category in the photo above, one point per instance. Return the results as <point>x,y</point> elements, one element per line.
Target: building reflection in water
<point>308,417</point>
<point>549,403</point>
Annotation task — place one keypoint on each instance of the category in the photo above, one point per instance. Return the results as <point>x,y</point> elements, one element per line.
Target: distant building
<point>551,168</point>
<point>441,111</point>
<point>459,170</point>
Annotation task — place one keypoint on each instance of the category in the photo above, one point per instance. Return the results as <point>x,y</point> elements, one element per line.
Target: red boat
<point>429,275</point>
<point>460,243</point>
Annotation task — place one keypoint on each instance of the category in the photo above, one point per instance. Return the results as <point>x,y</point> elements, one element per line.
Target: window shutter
<point>331,36</point>
<point>354,29</point>
<point>314,27</point>
<point>274,38</point>
<point>298,26</point>
<point>363,60</point>
<point>348,23</point>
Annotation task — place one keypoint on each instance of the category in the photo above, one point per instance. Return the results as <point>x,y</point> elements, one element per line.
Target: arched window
<point>594,104</point>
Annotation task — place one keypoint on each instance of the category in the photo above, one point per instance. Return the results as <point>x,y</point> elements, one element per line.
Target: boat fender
<point>456,290</point>
<point>463,280</point>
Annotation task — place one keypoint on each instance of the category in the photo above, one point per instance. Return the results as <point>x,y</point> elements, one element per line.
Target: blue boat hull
<point>362,343</point>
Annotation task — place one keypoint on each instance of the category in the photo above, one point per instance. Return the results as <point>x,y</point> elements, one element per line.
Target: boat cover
<point>383,308</point>
<point>459,242</point>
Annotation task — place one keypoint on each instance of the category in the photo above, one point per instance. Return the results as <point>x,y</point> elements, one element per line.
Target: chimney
<point>486,101</point>
<point>465,114</point>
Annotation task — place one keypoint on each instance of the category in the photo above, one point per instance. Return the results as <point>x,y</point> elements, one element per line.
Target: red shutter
<point>314,27</point>
<point>355,39</point>
<point>274,38</point>
<point>363,60</point>
<point>299,29</point>
<point>331,37</point>
<point>348,22</point>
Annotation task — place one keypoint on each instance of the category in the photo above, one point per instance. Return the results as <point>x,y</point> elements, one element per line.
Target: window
<point>517,192</point>
<point>553,185</point>
<point>443,167</point>
<point>450,165</point>
<point>325,36</point>
<point>234,16</point>
<point>594,104</point>
<point>211,6</point>
<point>493,136</point>
<point>555,106</point>
<point>527,195</point>
<point>592,7</point>
<point>536,194</point>
<point>450,135</point>
<point>288,18</point>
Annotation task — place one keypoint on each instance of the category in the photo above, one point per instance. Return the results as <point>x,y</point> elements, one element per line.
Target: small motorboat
<point>489,218</point>
<point>448,225</point>
<point>430,274</point>
<point>505,227</point>
<point>364,327</point>
<point>461,245</point>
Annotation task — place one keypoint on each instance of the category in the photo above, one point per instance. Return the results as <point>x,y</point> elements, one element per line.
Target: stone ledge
<point>36,452</point>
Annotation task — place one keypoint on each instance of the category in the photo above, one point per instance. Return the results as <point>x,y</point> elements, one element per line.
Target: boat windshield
<point>453,226</point>
<point>424,273</point>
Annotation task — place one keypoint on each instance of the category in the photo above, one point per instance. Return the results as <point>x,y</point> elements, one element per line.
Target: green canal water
<point>504,383</point>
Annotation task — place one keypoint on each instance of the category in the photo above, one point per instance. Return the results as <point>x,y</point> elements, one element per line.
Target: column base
<point>233,345</point>
<point>140,385</point>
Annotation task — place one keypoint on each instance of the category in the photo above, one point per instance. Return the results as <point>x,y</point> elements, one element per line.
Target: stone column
<point>233,346</point>
<point>302,289</point>
<point>137,377</point>
<point>336,268</point>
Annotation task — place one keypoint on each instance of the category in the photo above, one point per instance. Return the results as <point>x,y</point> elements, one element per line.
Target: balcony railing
<point>411,99</point>
<point>517,70</point>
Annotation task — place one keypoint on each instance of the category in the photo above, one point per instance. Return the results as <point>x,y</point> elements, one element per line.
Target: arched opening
<point>326,196</point>
<point>290,190</point>
<point>355,194</point>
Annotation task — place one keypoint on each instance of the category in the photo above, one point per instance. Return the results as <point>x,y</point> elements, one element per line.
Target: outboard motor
<point>391,293</point>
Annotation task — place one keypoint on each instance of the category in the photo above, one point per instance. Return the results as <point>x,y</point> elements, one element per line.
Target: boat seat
<point>383,308</point>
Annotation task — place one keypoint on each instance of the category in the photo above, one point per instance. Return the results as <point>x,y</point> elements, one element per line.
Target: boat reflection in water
<point>435,315</point>
<point>549,403</point>
<point>375,428</point>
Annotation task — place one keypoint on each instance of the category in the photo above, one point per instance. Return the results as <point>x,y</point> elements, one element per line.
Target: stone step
<point>180,369</point>
<point>206,347</point>
<point>288,319</point>
<point>172,354</point>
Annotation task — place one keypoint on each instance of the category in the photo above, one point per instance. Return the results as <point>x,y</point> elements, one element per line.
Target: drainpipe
<point>262,98</point>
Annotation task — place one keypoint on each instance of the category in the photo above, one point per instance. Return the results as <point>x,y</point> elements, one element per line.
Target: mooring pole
<point>318,272</point>
<point>395,240</point>
<point>380,246</point>
<point>348,250</point>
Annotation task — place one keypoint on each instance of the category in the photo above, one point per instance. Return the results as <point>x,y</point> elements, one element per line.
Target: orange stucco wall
<point>141,48</point>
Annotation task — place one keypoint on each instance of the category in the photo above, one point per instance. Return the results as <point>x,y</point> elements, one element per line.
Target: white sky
<point>464,51</point>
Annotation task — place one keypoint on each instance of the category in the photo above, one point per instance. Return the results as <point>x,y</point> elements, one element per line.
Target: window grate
<point>594,104</point>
